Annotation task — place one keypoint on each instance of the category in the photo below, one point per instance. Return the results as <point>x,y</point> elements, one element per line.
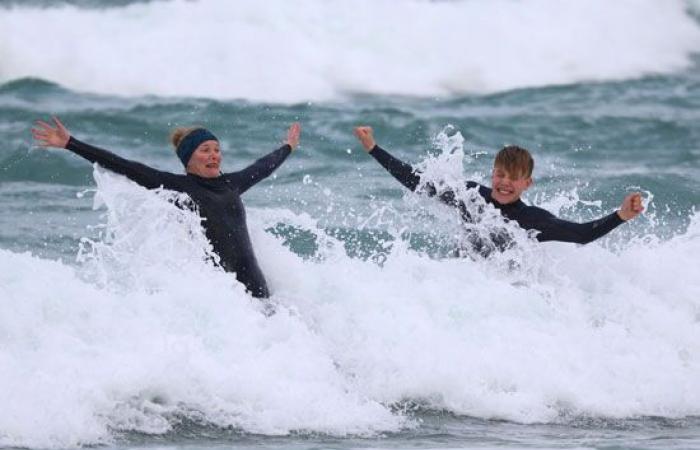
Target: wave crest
<point>279,51</point>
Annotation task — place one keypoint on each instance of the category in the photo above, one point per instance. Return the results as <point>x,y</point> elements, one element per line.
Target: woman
<point>216,195</point>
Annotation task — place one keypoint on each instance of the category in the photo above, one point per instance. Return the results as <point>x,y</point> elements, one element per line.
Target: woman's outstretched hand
<point>293,135</point>
<point>48,136</point>
<point>366,137</point>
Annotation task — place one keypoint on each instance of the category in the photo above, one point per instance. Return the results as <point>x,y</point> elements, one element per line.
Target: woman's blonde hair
<point>179,133</point>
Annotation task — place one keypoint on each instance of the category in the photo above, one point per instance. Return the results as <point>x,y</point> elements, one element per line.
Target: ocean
<point>117,331</point>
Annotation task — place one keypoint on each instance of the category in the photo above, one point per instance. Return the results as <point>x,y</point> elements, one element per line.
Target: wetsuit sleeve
<point>555,229</point>
<point>404,173</point>
<point>139,173</point>
<point>260,169</point>
<point>409,177</point>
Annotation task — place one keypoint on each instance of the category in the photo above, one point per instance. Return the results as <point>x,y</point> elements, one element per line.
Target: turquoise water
<point>115,331</point>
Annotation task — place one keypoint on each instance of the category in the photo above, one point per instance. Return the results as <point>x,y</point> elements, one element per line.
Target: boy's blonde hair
<point>515,160</point>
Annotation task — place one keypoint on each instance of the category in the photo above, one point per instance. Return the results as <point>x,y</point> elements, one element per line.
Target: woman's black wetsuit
<point>550,227</point>
<point>218,201</point>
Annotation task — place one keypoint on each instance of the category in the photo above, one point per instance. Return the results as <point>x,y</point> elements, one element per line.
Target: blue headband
<point>190,143</point>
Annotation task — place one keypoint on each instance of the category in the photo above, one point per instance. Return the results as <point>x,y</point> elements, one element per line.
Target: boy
<point>511,176</point>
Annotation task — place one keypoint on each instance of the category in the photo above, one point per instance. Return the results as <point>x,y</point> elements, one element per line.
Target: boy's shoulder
<point>483,190</point>
<point>536,212</point>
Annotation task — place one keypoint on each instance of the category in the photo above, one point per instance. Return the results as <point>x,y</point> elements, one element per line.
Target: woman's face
<point>206,160</point>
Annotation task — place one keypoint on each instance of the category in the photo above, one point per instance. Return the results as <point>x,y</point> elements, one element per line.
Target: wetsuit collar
<point>512,205</point>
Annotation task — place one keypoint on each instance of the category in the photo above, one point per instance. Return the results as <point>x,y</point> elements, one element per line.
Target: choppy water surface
<point>115,331</point>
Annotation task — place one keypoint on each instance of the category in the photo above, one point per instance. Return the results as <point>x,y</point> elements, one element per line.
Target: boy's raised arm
<point>631,206</point>
<point>404,173</point>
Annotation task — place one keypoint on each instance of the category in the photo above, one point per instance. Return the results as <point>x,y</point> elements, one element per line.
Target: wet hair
<point>515,160</point>
<point>179,133</point>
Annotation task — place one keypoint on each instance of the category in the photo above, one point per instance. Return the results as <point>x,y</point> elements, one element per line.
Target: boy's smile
<point>506,188</point>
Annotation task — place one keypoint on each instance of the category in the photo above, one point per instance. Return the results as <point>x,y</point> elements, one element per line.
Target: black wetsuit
<point>550,227</point>
<point>218,201</point>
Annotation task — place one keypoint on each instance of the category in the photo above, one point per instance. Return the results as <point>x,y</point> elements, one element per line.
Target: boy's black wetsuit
<point>549,226</point>
<point>218,201</point>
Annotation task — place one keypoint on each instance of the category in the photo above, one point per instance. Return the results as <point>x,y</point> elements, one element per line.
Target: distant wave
<point>313,50</point>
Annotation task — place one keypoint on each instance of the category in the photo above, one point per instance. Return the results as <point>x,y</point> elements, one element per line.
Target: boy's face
<point>507,188</point>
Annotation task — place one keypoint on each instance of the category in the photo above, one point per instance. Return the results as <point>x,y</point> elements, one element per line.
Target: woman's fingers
<point>44,125</point>
<point>47,134</point>
<point>295,129</point>
<point>59,125</point>
<point>42,141</point>
<point>293,134</point>
<point>39,133</point>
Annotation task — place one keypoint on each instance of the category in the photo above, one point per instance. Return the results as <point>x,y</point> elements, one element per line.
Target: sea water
<point>116,329</point>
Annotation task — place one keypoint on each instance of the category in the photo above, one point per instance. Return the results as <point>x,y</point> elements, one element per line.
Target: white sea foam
<point>145,331</point>
<point>315,50</point>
